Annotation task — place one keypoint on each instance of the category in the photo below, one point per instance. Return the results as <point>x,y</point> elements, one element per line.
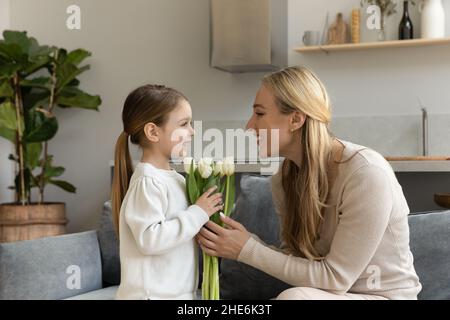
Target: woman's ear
<point>151,132</point>
<point>297,120</point>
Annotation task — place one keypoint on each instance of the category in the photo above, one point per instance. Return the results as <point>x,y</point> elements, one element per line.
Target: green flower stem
<point>208,282</point>
<point>216,273</point>
<point>204,277</point>
<point>227,192</point>
<point>206,273</point>
<point>212,281</point>
<point>211,284</point>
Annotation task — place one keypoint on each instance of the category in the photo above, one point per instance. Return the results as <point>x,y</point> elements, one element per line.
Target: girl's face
<point>175,136</point>
<point>273,128</point>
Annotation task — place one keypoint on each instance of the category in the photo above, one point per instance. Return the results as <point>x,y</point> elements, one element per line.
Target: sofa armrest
<point>429,241</point>
<point>50,268</point>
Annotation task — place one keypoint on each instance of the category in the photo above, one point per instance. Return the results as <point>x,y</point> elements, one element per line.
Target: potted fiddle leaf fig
<point>35,80</point>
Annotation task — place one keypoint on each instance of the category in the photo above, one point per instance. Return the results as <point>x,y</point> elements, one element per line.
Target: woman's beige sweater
<point>364,237</point>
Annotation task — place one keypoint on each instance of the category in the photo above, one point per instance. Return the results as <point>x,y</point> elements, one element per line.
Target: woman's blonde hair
<point>305,187</point>
<point>149,103</point>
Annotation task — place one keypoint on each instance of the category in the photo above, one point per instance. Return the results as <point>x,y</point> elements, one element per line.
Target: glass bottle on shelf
<point>406,31</point>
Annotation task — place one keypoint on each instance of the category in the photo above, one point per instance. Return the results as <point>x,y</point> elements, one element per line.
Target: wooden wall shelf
<point>374,45</point>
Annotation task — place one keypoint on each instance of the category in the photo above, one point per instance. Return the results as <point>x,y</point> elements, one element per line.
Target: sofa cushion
<point>429,242</point>
<point>430,245</point>
<point>109,247</point>
<point>50,268</point>
<point>254,209</point>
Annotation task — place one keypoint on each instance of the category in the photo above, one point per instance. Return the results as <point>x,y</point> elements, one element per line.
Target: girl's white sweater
<point>158,253</point>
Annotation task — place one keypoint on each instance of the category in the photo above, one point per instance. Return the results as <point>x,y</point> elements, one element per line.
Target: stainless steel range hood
<point>248,35</point>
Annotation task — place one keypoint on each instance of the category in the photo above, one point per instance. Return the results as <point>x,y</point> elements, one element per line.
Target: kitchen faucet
<point>424,131</point>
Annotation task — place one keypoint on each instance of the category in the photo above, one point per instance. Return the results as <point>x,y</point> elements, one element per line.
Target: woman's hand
<point>223,242</point>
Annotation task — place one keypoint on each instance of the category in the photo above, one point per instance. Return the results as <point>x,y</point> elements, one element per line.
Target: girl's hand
<point>210,203</point>
<point>223,242</point>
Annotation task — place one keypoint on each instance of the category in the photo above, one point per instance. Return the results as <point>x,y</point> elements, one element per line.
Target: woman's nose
<point>250,124</point>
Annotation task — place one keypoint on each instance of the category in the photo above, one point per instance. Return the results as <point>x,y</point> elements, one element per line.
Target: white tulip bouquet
<point>200,177</point>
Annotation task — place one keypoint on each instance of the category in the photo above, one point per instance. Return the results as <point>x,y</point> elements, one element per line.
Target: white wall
<point>6,166</point>
<point>133,43</point>
<point>374,82</point>
<point>167,41</point>
<point>4,14</point>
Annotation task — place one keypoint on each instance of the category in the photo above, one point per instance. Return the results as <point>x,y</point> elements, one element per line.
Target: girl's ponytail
<point>123,169</point>
<point>149,103</point>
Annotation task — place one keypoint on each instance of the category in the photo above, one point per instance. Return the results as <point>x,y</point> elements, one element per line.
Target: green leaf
<point>192,186</point>
<point>7,70</point>
<point>24,51</point>
<point>51,172</point>
<point>216,219</point>
<point>19,38</point>
<point>66,73</point>
<point>187,187</point>
<point>13,53</point>
<point>64,185</point>
<point>222,187</point>
<point>211,182</point>
<point>35,65</point>
<point>38,51</point>
<point>73,83</point>
<point>6,90</point>
<point>8,134</point>
<point>35,183</point>
<point>37,98</point>
<point>39,57</point>
<point>40,127</point>
<point>32,154</point>
<point>74,97</point>
<point>62,56</point>
<point>8,118</point>
<point>230,191</point>
<point>198,181</point>
<point>15,46</point>
<point>77,56</point>
<point>40,82</point>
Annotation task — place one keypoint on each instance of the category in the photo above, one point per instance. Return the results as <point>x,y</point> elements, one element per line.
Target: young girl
<point>156,227</point>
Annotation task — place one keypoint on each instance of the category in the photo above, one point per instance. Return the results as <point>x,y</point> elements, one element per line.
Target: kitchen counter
<point>419,158</point>
<point>420,163</point>
<point>399,164</point>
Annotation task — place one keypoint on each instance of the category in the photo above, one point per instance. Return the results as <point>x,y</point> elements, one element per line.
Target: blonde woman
<point>343,215</point>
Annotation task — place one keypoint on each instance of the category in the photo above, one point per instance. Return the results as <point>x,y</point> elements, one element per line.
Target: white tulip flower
<point>218,168</point>
<point>205,167</point>
<point>228,166</point>
<point>187,164</point>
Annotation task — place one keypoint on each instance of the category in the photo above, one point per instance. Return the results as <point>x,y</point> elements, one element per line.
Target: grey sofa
<point>86,265</point>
